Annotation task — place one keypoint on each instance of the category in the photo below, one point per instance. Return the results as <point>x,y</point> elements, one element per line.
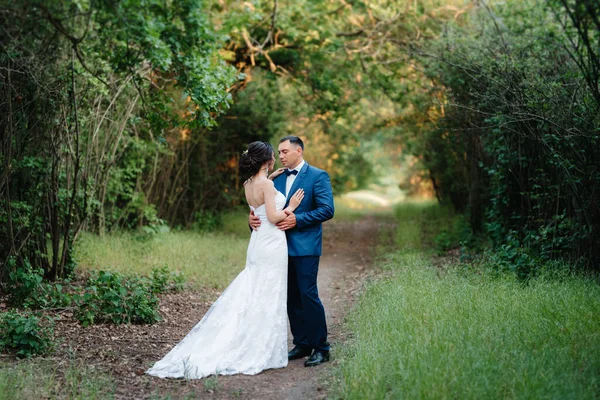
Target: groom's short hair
<point>294,140</point>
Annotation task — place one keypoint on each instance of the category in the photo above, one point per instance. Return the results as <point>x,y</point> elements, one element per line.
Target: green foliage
<point>27,288</point>
<point>468,331</point>
<point>207,221</point>
<point>458,235</point>
<point>136,129</point>
<point>114,298</point>
<point>44,379</point>
<point>177,40</point>
<point>125,204</point>
<point>25,334</point>
<point>24,282</point>
<point>235,222</point>
<point>165,280</point>
<point>92,87</point>
<point>207,260</point>
<point>300,83</point>
<point>110,297</point>
<point>514,145</point>
<point>456,334</point>
<point>451,230</point>
<point>106,297</point>
<point>513,256</point>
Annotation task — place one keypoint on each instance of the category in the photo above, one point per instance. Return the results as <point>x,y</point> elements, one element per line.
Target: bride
<point>245,330</point>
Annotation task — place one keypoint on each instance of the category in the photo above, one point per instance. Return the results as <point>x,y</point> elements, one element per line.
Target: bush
<point>27,288</point>
<point>107,297</point>
<point>25,334</point>
<point>111,297</point>
<point>457,234</point>
<point>207,221</point>
<point>513,256</point>
<point>516,145</point>
<point>164,280</point>
<point>24,281</point>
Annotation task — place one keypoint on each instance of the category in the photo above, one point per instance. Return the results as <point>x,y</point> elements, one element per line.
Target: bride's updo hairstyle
<point>252,159</point>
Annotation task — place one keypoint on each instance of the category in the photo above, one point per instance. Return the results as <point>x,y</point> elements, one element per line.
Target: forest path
<point>125,351</point>
<point>349,248</point>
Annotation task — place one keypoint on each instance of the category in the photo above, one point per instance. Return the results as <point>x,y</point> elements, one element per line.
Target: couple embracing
<point>245,330</point>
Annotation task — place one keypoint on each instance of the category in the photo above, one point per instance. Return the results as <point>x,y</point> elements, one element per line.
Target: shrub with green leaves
<point>27,288</point>
<point>24,281</point>
<point>165,280</point>
<point>207,221</point>
<point>25,334</point>
<point>457,234</point>
<point>113,298</point>
<point>515,144</point>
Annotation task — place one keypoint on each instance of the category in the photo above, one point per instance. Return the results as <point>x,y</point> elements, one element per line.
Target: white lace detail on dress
<point>245,330</point>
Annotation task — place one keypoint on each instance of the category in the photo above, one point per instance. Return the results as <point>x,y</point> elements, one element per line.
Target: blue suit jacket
<point>306,238</point>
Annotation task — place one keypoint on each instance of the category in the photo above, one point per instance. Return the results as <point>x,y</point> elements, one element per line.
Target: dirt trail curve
<point>125,351</point>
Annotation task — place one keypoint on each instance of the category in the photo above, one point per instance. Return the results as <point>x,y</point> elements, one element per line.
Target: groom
<point>304,240</point>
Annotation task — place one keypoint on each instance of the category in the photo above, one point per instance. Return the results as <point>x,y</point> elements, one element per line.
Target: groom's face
<point>290,154</point>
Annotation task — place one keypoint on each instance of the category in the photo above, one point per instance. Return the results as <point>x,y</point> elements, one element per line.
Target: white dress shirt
<point>291,178</point>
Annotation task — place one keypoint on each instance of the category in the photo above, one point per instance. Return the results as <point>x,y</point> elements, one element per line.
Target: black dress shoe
<point>298,352</point>
<point>317,357</point>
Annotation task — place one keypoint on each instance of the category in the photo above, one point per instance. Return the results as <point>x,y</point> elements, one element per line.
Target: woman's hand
<point>295,200</point>
<point>276,173</point>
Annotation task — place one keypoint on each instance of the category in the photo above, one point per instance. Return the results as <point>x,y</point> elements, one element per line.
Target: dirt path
<point>125,351</point>
<point>348,256</point>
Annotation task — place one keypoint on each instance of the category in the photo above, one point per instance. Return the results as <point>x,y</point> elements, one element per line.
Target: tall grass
<point>29,379</point>
<point>235,222</point>
<point>424,333</point>
<point>206,259</point>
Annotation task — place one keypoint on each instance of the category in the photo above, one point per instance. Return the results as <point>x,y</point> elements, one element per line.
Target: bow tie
<point>290,172</point>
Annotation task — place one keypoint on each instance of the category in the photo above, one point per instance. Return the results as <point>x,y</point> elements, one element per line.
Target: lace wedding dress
<point>245,330</point>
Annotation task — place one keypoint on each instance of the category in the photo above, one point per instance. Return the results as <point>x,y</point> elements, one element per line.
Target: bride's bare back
<point>260,190</point>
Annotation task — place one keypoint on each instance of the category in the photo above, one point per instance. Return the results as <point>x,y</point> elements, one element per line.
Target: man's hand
<point>288,222</point>
<point>253,221</point>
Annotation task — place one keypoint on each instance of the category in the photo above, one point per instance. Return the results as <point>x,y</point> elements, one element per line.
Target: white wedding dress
<point>245,330</point>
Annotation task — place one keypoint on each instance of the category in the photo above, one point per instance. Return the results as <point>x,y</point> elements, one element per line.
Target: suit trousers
<point>305,310</point>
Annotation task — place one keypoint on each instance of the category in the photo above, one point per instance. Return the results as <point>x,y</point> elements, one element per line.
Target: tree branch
<point>350,34</point>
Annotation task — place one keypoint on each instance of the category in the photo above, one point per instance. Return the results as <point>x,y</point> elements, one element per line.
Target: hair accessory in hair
<point>245,152</point>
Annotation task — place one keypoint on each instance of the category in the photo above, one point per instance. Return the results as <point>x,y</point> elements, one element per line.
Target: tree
<point>81,81</point>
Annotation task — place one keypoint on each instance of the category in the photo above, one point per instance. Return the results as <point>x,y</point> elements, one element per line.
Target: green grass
<point>206,259</point>
<point>466,334</point>
<point>235,222</point>
<point>31,379</point>
<point>409,218</point>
